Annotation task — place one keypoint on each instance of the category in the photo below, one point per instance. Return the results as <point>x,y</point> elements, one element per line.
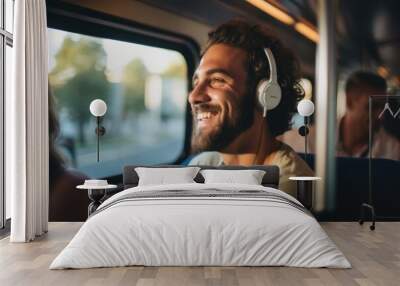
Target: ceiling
<point>215,12</point>
<point>368,31</point>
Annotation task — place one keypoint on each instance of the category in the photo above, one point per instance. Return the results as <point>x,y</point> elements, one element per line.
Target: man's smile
<point>206,118</point>
<point>206,115</point>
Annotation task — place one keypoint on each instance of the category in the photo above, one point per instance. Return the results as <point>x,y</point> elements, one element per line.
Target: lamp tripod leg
<point>362,215</point>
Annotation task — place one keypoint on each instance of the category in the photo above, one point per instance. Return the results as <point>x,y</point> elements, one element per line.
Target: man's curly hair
<point>253,39</point>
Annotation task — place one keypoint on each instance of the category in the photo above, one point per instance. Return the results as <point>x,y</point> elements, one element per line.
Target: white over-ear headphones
<point>269,92</point>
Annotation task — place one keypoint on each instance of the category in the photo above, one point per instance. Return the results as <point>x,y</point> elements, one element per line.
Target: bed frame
<point>270,179</point>
<point>131,178</point>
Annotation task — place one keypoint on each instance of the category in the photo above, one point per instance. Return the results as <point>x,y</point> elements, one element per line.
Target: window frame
<point>6,39</point>
<point>71,18</point>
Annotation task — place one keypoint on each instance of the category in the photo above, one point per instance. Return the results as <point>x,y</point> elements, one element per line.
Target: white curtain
<point>27,154</point>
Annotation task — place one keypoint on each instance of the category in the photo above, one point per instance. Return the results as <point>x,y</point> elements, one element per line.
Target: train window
<point>145,89</point>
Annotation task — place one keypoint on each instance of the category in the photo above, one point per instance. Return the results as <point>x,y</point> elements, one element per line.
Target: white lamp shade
<point>305,107</point>
<point>98,107</point>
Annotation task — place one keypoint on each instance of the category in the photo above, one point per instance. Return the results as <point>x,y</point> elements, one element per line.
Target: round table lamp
<point>98,108</point>
<point>305,107</point>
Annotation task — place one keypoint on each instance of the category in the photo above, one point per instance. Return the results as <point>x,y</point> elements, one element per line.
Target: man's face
<point>358,108</point>
<point>220,105</point>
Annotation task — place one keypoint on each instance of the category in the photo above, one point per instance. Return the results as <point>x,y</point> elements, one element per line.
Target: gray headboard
<point>270,179</point>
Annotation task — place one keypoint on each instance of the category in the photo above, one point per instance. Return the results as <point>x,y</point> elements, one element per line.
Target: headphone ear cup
<point>269,95</point>
<point>261,94</point>
<point>273,95</point>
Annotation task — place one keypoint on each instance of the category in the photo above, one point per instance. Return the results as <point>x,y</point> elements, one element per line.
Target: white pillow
<point>248,177</point>
<point>162,176</point>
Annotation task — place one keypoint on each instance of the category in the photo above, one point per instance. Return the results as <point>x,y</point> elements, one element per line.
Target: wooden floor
<point>375,257</point>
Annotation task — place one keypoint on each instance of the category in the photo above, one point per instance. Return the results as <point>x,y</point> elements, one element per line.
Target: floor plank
<point>375,257</point>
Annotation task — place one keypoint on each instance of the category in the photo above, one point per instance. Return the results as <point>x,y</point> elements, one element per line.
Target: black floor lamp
<point>98,108</point>
<point>369,205</point>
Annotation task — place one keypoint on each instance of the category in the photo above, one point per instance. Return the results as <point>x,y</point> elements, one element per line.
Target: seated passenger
<point>65,202</point>
<point>227,116</point>
<point>353,127</point>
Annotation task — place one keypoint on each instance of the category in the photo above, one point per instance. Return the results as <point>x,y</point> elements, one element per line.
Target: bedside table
<point>96,194</point>
<point>305,187</point>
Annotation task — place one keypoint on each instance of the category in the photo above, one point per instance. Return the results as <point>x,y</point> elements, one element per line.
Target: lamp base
<point>304,130</point>
<point>100,131</point>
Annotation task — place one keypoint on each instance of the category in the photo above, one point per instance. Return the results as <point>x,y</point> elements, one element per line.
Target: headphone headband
<point>268,91</point>
<point>272,65</point>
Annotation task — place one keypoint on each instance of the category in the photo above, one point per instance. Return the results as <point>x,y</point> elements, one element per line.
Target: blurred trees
<point>174,75</point>
<point>133,82</point>
<point>79,76</point>
<point>176,69</point>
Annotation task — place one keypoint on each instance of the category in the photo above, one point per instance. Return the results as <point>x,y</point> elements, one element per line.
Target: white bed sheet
<point>200,231</point>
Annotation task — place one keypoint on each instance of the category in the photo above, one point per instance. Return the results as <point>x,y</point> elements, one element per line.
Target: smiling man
<point>227,118</point>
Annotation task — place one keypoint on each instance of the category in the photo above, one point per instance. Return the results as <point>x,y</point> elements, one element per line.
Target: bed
<point>201,224</point>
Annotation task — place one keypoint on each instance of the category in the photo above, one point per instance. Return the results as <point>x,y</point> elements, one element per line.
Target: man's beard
<point>223,134</point>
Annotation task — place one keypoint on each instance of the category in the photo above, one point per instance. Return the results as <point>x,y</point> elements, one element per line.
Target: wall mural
<point>243,113</point>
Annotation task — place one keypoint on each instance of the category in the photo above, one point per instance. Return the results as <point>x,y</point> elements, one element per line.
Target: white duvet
<point>183,231</point>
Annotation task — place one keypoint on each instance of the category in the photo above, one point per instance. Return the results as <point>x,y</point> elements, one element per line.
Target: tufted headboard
<point>270,179</point>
